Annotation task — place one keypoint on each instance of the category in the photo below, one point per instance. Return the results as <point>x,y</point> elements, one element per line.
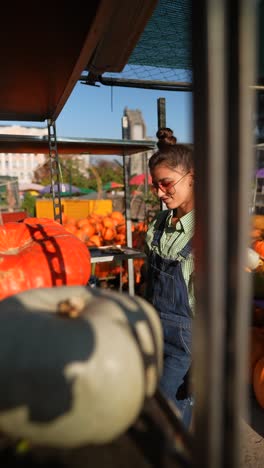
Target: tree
<point>109,171</point>
<point>104,171</point>
<point>69,173</point>
<point>29,204</point>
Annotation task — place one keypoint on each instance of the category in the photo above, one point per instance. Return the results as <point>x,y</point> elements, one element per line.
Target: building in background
<point>23,165</point>
<point>134,128</point>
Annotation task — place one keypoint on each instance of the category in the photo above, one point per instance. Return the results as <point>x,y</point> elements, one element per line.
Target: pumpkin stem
<point>71,308</point>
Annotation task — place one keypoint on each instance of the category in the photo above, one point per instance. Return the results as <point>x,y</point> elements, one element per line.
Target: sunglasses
<point>167,187</point>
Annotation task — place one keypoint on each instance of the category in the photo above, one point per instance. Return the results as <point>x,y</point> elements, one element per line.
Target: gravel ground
<point>126,451</point>
<point>253,437</point>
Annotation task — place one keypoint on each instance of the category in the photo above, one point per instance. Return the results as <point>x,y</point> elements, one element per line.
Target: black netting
<point>146,73</point>
<point>166,40</point>
<point>164,49</point>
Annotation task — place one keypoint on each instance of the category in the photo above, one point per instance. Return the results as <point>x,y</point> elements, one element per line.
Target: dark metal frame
<point>223,62</point>
<point>91,80</point>
<point>54,171</point>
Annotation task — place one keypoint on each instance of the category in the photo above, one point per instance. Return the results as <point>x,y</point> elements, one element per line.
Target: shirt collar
<point>185,223</point>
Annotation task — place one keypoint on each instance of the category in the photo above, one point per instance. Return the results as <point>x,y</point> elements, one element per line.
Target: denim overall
<point>168,293</point>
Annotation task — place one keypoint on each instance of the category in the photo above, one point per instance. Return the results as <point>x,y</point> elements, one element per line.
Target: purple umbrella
<point>63,188</point>
<point>260,173</point>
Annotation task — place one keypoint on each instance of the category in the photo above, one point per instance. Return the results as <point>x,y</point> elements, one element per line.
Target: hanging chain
<point>55,171</point>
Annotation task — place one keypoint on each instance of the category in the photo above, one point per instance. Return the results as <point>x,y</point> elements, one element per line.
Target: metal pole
<point>162,123</point>
<point>126,171</point>
<point>131,281</point>
<point>146,172</point>
<point>70,178</point>
<point>223,64</point>
<point>161,112</point>
<point>141,84</point>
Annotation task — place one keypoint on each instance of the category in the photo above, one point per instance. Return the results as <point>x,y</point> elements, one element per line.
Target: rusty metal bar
<point>54,171</point>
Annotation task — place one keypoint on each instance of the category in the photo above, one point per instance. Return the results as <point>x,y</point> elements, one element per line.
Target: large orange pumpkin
<point>258,381</point>
<point>256,343</point>
<point>40,253</point>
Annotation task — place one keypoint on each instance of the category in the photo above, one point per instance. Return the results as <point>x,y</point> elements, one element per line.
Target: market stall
<point>72,146</point>
<point>223,38</point>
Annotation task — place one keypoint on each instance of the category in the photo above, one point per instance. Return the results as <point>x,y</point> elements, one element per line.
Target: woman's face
<point>174,187</point>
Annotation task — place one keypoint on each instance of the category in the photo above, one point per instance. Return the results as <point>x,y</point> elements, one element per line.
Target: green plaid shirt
<point>172,241</point>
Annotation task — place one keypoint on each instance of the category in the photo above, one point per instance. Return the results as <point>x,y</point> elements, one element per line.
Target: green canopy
<point>87,190</point>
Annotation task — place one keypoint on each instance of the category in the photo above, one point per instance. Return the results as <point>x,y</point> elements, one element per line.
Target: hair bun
<point>165,137</point>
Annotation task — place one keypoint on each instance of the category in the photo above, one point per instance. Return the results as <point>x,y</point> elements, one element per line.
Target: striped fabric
<point>173,239</point>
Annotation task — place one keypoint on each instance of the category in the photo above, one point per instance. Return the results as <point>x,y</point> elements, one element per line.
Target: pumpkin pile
<point>256,362</point>
<point>39,252</point>
<point>257,330</point>
<point>98,230</point>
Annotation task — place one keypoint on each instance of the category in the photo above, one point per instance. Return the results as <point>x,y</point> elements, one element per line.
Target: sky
<point>96,112</point>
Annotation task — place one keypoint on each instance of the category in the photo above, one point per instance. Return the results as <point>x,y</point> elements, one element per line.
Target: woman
<point>170,264</point>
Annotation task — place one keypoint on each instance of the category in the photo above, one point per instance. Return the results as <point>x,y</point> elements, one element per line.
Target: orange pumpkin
<point>82,222</point>
<point>120,239</point>
<point>258,315</point>
<point>40,253</point>
<point>255,234</point>
<point>89,229</point>
<point>95,241</point>
<point>108,222</point>
<point>81,235</point>
<point>258,381</point>
<point>256,342</point>
<point>258,246</point>
<point>71,221</point>
<point>103,270</point>
<point>108,234</point>
<point>98,227</point>
<point>70,228</point>
<point>121,229</point>
<point>118,215</point>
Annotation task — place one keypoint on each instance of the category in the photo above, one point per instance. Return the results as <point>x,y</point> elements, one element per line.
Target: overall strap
<point>186,249</point>
<point>159,228</point>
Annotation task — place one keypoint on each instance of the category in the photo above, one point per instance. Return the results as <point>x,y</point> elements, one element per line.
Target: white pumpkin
<point>68,382</point>
<point>253,259</point>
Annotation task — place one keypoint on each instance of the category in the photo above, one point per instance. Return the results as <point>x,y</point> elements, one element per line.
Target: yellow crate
<point>73,208</point>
